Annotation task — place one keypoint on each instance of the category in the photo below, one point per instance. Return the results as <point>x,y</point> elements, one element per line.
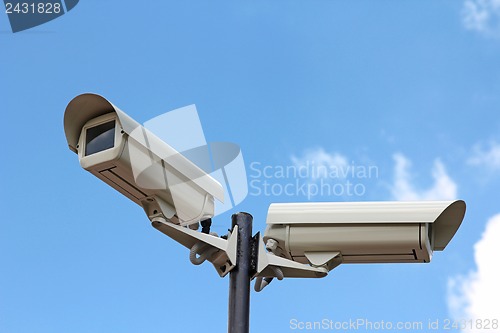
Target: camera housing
<point>135,162</point>
<point>361,232</point>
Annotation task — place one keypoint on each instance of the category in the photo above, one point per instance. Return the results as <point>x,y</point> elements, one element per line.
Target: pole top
<point>242,214</point>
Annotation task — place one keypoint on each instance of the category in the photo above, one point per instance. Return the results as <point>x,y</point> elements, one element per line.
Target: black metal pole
<point>239,277</point>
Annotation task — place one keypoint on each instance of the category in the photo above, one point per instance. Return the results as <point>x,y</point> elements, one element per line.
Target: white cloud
<point>489,157</point>
<point>482,16</point>
<point>444,188</point>
<point>319,162</point>
<point>477,295</point>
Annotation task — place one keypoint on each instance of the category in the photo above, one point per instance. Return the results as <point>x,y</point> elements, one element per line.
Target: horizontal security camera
<point>328,234</point>
<point>126,156</point>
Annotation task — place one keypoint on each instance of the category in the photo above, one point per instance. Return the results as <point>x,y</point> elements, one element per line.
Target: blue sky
<point>412,88</point>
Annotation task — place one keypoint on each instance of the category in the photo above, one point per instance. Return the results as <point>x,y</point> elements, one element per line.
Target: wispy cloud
<point>476,296</point>
<point>330,175</point>
<point>321,161</point>
<point>482,16</point>
<point>444,188</point>
<point>488,157</point>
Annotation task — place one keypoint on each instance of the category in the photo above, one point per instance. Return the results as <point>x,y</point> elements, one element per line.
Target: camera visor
<point>99,138</point>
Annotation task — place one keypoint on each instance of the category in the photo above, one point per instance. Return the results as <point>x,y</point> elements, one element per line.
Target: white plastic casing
<point>141,166</point>
<point>363,232</point>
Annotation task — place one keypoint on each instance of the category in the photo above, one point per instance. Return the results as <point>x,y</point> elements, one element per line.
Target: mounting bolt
<point>271,245</point>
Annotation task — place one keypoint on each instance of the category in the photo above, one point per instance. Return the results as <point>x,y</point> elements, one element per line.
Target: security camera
<point>328,234</point>
<point>128,157</point>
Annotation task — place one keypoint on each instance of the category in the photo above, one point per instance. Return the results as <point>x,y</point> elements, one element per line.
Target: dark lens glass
<point>429,234</point>
<point>100,137</point>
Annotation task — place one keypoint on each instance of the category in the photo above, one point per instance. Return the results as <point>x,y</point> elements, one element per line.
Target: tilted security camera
<point>328,234</point>
<point>125,155</point>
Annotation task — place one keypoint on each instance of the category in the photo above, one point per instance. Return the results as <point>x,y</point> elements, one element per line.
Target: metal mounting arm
<point>220,252</point>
